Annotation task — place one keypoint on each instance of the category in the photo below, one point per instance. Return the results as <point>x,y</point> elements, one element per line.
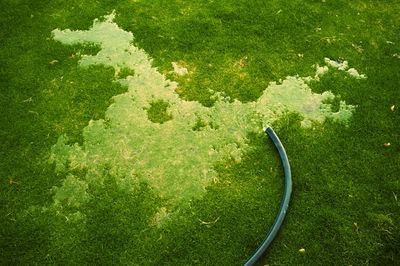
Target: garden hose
<point>284,205</point>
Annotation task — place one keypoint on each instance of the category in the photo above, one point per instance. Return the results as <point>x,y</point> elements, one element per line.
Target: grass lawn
<point>76,188</point>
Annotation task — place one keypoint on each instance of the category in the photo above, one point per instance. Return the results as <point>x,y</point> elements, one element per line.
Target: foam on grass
<point>175,156</point>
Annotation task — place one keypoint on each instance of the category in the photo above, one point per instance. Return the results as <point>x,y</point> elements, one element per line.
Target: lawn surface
<point>345,206</point>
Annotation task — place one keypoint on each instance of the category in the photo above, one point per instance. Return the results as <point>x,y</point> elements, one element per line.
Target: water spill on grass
<point>344,66</point>
<point>174,151</point>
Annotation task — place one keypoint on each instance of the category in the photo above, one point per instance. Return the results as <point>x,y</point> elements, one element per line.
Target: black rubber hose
<point>284,205</point>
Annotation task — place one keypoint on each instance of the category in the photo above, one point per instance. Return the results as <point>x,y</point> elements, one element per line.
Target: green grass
<point>342,175</point>
<point>158,113</point>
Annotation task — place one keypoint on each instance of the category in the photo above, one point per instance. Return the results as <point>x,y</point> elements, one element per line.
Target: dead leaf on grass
<point>241,62</point>
<point>28,100</point>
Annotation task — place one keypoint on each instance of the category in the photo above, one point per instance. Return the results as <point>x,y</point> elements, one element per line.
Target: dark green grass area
<point>158,113</point>
<point>345,206</point>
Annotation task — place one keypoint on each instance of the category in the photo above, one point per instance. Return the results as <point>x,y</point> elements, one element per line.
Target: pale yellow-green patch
<point>179,70</point>
<point>175,157</point>
<point>343,66</point>
<point>72,193</point>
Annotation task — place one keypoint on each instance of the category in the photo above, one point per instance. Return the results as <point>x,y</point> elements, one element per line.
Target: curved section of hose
<point>284,205</point>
